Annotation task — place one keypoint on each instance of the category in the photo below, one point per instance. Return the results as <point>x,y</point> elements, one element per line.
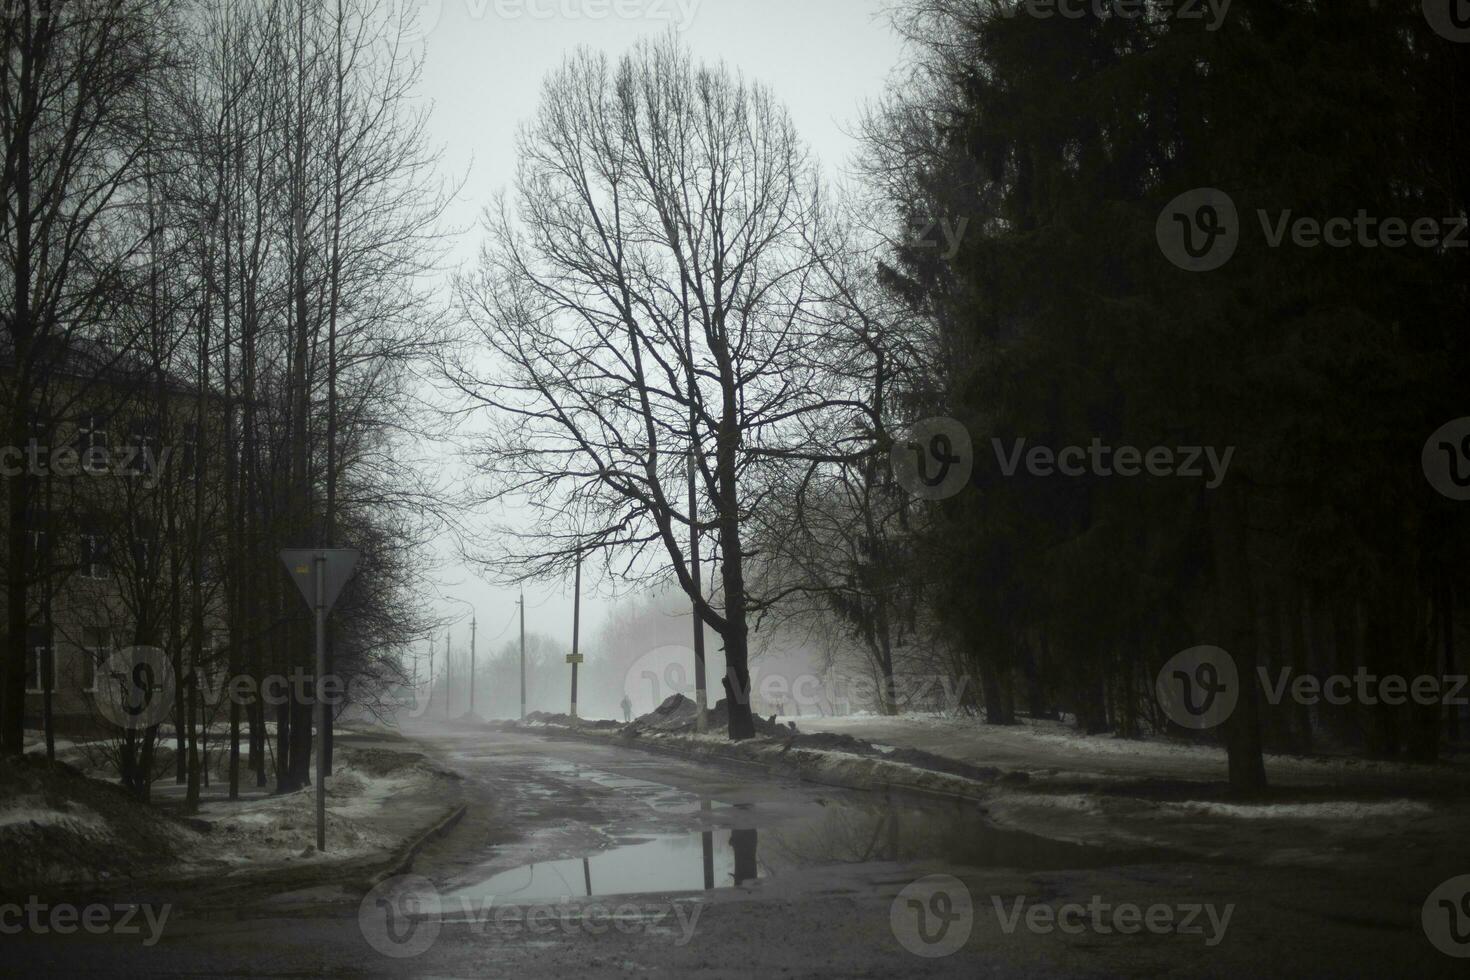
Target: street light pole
<point>522,604</point>
<point>576,631</point>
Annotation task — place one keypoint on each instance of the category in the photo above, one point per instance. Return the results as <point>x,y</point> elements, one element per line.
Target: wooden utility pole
<point>472,663</point>
<point>522,604</point>
<point>576,658</point>
<point>701,697</point>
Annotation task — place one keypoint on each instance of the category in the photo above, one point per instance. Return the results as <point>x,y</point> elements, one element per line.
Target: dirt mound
<point>58,826</point>
<point>678,715</point>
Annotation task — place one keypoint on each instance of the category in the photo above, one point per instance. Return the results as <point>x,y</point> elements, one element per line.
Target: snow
<point>1331,810</point>
<point>277,829</point>
<point>32,809</point>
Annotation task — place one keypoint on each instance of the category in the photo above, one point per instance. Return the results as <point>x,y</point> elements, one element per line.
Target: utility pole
<point>431,676</point>
<point>448,675</point>
<point>472,663</point>
<point>701,698</point>
<point>522,604</point>
<point>576,658</point>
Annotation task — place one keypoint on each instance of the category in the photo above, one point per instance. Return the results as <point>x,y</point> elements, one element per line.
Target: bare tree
<point>645,298</point>
<point>72,100</point>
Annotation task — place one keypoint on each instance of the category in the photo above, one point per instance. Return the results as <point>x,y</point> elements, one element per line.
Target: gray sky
<point>484,65</point>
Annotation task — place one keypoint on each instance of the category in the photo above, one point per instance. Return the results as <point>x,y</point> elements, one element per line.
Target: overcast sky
<point>484,62</point>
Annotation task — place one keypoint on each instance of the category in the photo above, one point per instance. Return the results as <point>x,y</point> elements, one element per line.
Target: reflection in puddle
<point>683,862</point>
<point>840,830</point>
<point>848,834</point>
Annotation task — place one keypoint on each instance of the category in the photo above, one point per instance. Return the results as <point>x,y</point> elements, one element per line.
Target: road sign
<point>320,574</point>
<point>340,562</point>
<point>576,658</point>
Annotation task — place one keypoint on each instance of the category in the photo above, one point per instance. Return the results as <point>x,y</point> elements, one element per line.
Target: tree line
<point>707,355</point>
<point>221,223</point>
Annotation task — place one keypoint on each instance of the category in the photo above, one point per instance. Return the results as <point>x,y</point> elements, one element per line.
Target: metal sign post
<point>320,574</point>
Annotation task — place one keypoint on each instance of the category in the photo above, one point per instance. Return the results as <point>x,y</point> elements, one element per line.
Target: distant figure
<point>627,709</point>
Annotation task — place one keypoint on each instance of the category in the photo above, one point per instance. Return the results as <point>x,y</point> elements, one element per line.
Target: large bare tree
<point>643,299</point>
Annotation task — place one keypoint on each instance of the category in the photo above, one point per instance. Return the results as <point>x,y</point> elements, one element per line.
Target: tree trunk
<point>1227,515</point>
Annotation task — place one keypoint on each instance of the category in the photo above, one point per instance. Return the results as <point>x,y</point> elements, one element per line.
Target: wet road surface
<point>591,860</point>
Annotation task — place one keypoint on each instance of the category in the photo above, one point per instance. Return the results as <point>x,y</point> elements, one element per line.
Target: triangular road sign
<point>301,562</point>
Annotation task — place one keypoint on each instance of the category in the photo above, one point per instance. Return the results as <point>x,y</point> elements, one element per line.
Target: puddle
<point>673,863</point>
<point>843,833</point>
<point>744,843</point>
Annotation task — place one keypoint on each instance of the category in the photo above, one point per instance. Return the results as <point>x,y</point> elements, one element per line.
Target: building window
<point>96,648</point>
<point>92,435</point>
<point>36,660</point>
<point>37,540</point>
<point>94,554</point>
<point>144,444</point>
<point>38,430</point>
<point>190,448</point>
